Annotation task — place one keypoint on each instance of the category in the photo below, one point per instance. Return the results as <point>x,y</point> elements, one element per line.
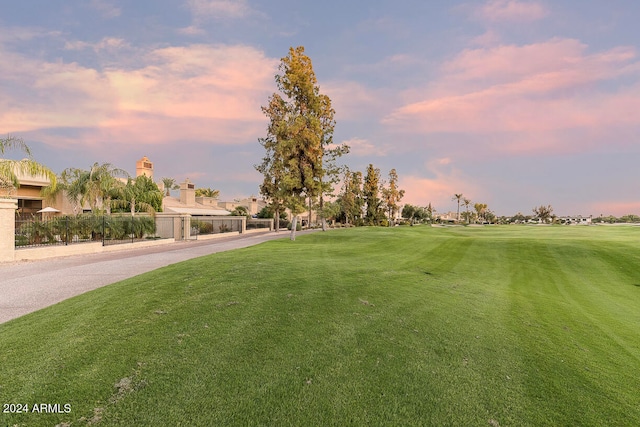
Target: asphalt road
<point>31,285</point>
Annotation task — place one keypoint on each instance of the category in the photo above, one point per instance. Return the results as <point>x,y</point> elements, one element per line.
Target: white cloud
<point>531,94</point>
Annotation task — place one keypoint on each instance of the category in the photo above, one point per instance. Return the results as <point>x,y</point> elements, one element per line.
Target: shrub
<point>203,227</point>
<point>21,240</point>
<point>285,224</point>
<point>298,226</point>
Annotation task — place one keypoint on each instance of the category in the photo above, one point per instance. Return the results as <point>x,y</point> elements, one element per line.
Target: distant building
<point>252,204</point>
<point>28,194</point>
<point>30,199</point>
<point>574,220</point>
<point>187,203</point>
<point>448,217</point>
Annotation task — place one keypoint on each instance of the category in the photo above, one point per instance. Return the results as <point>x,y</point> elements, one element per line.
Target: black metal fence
<point>255,223</point>
<point>65,230</point>
<point>117,229</point>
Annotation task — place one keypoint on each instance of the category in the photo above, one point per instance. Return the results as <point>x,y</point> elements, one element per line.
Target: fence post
<point>187,226</point>
<point>8,229</point>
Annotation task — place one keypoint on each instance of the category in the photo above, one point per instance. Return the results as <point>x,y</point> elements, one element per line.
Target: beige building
<point>31,200</point>
<point>253,204</point>
<point>187,203</point>
<point>28,194</point>
<point>574,220</point>
<point>449,217</point>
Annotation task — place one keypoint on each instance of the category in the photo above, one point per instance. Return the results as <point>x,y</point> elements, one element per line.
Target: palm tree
<point>207,192</point>
<point>466,202</point>
<point>96,187</point>
<point>10,169</point>
<point>141,194</point>
<point>62,187</point>
<point>481,209</point>
<point>169,184</point>
<point>458,197</point>
<point>74,182</point>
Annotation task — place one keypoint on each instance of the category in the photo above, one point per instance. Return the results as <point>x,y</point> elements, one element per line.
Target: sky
<point>513,103</point>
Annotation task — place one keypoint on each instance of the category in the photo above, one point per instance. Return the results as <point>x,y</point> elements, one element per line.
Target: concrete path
<point>31,285</point>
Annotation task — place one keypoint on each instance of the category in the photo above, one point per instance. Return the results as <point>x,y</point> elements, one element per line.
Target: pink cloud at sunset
<point>197,92</point>
<point>445,181</point>
<point>549,87</point>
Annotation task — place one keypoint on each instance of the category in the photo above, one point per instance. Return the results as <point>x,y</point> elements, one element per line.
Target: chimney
<point>144,167</point>
<point>188,193</point>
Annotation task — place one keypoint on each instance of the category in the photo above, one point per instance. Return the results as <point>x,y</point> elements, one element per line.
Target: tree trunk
<point>324,221</point>
<point>276,218</point>
<point>294,226</point>
<point>309,223</point>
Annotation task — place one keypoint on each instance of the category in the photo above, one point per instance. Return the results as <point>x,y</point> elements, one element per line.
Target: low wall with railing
<point>36,239</point>
<point>263,224</point>
<point>44,252</point>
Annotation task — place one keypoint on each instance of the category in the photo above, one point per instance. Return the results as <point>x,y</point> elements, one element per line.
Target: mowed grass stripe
<point>404,326</point>
<point>562,294</point>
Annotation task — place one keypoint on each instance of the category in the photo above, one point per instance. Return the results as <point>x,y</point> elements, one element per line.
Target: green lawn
<point>464,326</point>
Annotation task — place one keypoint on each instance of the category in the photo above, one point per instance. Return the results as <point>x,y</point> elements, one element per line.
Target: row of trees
<point>482,213</point>
<point>106,189</point>
<point>610,219</point>
<point>417,214</point>
<point>171,184</point>
<point>367,199</point>
<point>299,166</point>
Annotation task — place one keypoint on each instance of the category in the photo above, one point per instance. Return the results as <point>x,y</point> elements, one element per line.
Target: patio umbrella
<point>48,210</point>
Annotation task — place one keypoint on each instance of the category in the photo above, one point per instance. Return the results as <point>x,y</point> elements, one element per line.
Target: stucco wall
<point>44,252</point>
<point>7,229</point>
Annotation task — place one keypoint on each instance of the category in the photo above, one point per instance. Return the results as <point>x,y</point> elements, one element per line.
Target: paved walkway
<point>31,285</point>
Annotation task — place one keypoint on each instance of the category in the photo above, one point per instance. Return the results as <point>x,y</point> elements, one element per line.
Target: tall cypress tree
<point>299,136</point>
<point>371,191</point>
